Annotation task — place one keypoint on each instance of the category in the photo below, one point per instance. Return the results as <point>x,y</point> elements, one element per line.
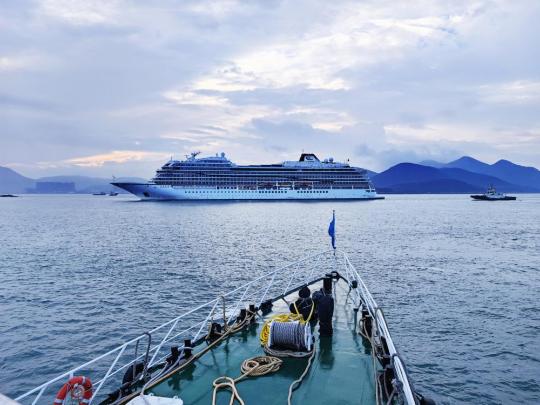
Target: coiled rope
<point>265,331</point>
<point>258,366</point>
<point>290,335</point>
<point>253,367</point>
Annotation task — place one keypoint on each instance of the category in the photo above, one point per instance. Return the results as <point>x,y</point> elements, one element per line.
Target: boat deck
<point>341,373</point>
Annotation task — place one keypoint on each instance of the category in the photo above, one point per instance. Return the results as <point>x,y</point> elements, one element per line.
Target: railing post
<point>108,373</point>
<point>291,278</point>
<point>267,288</point>
<point>314,267</point>
<point>205,321</point>
<point>161,343</point>
<point>39,395</point>
<point>240,301</point>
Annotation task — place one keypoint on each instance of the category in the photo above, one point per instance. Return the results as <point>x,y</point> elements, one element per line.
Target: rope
<point>253,367</point>
<point>296,383</point>
<point>289,335</point>
<point>265,331</point>
<point>310,311</point>
<point>285,353</point>
<point>237,326</point>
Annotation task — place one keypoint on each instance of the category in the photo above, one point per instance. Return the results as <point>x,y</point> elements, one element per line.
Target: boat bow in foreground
<point>259,343</point>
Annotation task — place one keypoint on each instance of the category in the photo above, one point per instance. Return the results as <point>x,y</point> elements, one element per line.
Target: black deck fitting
<point>242,315</point>
<point>266,307</point>
<point>187,348</point>
<point>327,283</point>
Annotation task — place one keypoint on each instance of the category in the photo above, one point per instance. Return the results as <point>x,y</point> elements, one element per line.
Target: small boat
<point>113,193</point>
<point>8,195</point>
<point>492,195</point>
<point>100,193</point>
<point>268,341</point>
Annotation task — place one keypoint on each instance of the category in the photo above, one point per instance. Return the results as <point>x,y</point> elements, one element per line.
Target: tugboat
<point>492,195</point>
<point>100,193</point>
<point>268,341</point>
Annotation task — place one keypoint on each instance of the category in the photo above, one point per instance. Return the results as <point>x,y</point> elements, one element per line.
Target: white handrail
<point>401,372</point>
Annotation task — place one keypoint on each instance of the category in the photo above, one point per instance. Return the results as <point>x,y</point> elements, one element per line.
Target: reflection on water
<point>326,358</point>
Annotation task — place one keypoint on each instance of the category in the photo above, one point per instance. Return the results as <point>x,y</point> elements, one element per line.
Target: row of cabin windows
<point>254,181</point>
<point>263,185</point>
<point>263,191</point>
<point>241,191</point>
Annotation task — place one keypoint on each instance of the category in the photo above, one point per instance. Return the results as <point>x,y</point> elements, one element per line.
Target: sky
<point>118,87</point>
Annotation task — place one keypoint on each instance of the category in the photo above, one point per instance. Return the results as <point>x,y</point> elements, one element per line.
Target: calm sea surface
<point>459,280</point>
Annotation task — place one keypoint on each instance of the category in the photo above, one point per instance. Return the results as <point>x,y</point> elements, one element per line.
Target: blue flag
<point>332,229</point>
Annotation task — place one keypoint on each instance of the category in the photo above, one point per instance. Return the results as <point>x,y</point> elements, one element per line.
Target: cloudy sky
<point>118,87</point>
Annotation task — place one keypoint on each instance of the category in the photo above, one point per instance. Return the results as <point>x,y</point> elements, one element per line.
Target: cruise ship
<point>217,178</point>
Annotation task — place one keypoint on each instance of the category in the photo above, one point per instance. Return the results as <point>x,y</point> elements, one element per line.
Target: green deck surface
<point>341,373</point>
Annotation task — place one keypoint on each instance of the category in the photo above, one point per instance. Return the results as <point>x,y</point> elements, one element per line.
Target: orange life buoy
<point>79,387</point>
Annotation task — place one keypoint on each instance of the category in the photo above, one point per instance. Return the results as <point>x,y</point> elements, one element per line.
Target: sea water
<point>459,280</point>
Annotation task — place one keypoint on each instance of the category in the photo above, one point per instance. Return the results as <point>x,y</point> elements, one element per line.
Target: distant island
<point>464,175</point>
<point>12,182</point>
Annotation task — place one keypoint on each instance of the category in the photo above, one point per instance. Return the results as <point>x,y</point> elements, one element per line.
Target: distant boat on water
<point>8,195</point>
<point>492,195</point>
<point>100,193</point>
<point>113,193</point>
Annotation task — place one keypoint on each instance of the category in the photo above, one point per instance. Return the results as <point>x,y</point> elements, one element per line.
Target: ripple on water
<point>458,281</point>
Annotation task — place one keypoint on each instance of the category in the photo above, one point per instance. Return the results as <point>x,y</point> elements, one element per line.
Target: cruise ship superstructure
<point>217,178</point>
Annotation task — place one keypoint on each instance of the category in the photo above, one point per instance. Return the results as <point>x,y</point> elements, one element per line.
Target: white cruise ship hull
<point>148,191</point>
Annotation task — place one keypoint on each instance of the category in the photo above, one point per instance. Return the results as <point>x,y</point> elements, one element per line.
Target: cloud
<point>515,92</point>
<point>192,98</point>
<point>81,12</point>
<point>25,61</point>
<point>118,156</point>
<point>265,79</point>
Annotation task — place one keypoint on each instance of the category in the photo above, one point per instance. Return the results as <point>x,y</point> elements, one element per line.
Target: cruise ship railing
<point>106,371</point>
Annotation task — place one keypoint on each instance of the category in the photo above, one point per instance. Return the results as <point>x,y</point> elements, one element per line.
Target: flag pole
<point>334,219</point>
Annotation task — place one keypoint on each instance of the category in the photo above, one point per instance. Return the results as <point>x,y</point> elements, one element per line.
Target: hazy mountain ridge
<point>464,175</point>
<point>14,183</point>
<point>502,169</point>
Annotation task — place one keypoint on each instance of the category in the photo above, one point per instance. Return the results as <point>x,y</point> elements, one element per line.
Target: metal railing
<point>376,313</point>
<point>106,369</point>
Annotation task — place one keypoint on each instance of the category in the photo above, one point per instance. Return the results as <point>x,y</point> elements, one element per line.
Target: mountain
<point>81,182</point>
<point>12,182</point>
<point>415,178</point>
<point>371,173</point>
<point>88,185</point>
<point>470,164</point>
<point>528,177</point>
<point>406,173</point>
<point>517,174</point>
<point>431,163</point>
